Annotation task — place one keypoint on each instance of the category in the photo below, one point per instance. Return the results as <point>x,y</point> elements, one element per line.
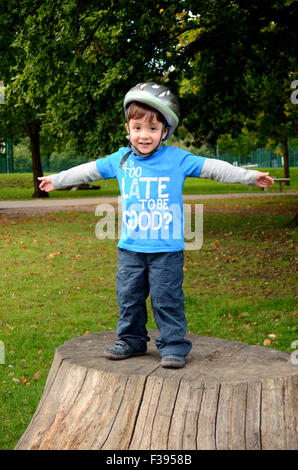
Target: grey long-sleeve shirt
<point>213,169</point>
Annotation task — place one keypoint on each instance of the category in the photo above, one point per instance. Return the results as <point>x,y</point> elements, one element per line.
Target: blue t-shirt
<point>151,196</point>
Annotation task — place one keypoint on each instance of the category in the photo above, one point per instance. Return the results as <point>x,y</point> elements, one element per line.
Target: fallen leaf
<point>266,342</point>
<point>51,255</point>
<point>37,375</point>
<point>272,336</point>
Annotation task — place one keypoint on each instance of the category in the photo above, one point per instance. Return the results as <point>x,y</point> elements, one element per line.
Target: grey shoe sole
<point>116,357</point>
<point>172,363</point>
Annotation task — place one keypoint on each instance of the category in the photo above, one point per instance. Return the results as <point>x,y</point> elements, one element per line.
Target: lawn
<point>58,282</point>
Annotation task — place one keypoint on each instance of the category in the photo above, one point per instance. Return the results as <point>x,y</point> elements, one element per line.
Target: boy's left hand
<point>264,180</point>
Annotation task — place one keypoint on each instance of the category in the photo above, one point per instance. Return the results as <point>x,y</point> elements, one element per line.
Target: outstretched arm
<point>224,172</point>
<point>84,173</point>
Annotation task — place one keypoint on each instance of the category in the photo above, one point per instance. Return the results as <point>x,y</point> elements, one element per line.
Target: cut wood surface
<point>228,396</point>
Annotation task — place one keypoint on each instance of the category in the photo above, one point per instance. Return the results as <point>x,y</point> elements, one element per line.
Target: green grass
<point>58,282</point>
<point>18,186</point>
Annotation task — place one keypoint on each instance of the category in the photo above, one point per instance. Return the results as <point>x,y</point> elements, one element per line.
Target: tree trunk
<point>229,396</point>
<point>285,153</point>
<point>33,131</point>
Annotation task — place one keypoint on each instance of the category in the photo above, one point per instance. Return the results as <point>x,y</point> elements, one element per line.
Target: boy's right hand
<point>45,184</point>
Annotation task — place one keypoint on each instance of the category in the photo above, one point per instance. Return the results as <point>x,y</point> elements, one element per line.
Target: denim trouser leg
<point>132,292</point>
<point>162,274</point>
<point>167,299</point>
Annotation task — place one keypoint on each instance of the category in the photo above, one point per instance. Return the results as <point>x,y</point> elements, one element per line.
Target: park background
<point>65,67</point>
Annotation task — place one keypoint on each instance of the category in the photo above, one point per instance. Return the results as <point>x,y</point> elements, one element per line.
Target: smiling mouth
<point>144,145</point>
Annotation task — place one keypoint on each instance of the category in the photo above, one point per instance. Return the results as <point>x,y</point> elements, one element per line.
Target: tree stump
<point>229,396</point>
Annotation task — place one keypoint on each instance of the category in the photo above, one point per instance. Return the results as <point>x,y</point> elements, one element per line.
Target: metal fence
<point>260,158</point>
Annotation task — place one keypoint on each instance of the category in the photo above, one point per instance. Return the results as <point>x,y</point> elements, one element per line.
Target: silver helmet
<point>157,97</point>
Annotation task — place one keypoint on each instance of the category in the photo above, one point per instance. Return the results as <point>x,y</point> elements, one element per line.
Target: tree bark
<point>285,153</point>
<point>229,396</point>
<point>33,131</point>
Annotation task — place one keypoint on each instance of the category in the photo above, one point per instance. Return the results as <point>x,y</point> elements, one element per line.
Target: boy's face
<point>145,134</point>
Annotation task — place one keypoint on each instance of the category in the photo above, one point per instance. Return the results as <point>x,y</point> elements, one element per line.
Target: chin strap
<point>123,159</point>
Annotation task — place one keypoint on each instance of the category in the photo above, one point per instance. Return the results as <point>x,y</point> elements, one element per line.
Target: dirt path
<point>41,207</point>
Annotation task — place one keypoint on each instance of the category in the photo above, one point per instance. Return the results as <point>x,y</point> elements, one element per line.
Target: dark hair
<point>138,110</point>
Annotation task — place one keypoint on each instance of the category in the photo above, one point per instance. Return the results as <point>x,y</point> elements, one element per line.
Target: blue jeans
<point>161,274</point>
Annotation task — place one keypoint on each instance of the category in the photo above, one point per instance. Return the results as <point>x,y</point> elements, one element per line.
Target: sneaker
<point>121,350</point>
<point>172,362</point>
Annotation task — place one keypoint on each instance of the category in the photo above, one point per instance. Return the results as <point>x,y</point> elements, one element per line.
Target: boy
<point>150,249</point>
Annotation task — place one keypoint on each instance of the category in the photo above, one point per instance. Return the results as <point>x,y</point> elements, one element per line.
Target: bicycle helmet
<point>157,97</point>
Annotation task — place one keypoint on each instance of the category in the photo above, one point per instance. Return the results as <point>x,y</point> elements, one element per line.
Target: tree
<point>24,101</point>
<point>108,49</point>
<point>68,65</point>
<point>239,70</point>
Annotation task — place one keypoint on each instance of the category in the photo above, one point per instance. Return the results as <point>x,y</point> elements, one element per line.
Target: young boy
<point>150,249</point>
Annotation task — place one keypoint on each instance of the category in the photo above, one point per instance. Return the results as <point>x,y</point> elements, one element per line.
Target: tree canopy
<point>67,65</point>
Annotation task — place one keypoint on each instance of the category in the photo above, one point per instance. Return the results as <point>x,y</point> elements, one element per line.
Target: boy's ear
<point>165,133</point>
<point>126,127</point>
